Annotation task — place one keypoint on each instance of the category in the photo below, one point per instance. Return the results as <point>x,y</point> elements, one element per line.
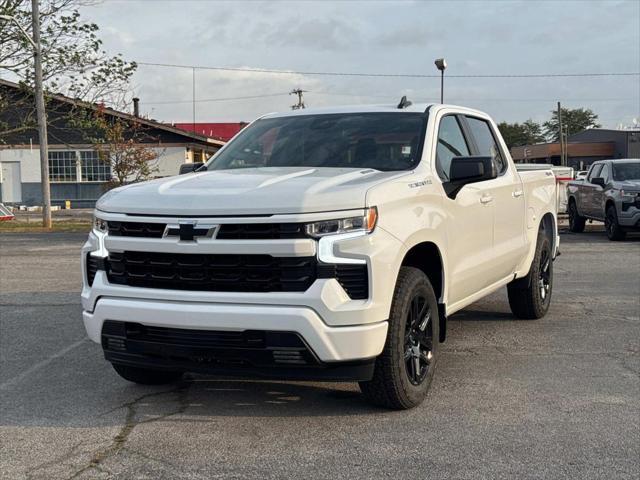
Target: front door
<point>11,186</point>
<point>470,222</point>
<point>589,192</point>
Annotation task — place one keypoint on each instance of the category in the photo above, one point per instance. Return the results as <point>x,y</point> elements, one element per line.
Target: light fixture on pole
<point>442,66</point>
<point>42,118</point>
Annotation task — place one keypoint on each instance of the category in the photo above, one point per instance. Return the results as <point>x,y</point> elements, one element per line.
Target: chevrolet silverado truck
<point>610,192</point>
<point>327,244</point>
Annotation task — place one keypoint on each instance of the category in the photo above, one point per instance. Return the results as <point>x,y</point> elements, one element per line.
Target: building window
<point>93,168</point>
<point>78,166</point>
<point>63,166</point>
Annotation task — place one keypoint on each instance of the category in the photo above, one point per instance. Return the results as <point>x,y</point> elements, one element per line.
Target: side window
<point>605,173</point>
<point>594,172</point>
<point>487,145</point>
<point>451,143</point>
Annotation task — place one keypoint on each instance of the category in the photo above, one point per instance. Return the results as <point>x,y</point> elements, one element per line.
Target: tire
<point>405,368</point>
<point>576,222</point>
<point>145,376</point>
<point>611,225</point>
<point>530,296</point>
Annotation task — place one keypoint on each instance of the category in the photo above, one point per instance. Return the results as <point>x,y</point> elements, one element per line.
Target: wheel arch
<point>427,257</point>
<point>548,226</point>
<point>572,199</point>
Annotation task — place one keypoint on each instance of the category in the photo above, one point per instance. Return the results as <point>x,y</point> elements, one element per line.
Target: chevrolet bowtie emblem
<point>190,231</point>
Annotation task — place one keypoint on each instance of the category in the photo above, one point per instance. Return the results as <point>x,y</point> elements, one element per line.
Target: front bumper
<point>328,344</point>
<point>341,334</point>
<point>629,218</point>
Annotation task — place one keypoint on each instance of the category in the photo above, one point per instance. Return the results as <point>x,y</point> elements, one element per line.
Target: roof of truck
<point>416,108</point>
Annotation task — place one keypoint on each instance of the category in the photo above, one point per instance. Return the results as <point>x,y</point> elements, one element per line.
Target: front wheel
<point>576,222</point>
<point>405,368</point>
<point>530,296</point>
<point>611,225</point>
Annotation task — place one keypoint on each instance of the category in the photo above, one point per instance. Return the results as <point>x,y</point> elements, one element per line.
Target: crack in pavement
<point>119,441</point>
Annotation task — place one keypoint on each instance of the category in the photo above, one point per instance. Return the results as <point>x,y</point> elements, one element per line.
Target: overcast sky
<point>477,37</point>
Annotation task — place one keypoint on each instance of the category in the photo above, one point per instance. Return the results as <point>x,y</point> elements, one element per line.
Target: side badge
<point>420,184</point>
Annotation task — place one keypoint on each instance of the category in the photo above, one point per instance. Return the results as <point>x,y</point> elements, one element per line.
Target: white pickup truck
<point>327,244</point>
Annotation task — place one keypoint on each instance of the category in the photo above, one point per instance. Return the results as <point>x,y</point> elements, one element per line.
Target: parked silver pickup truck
<point>610,193</point>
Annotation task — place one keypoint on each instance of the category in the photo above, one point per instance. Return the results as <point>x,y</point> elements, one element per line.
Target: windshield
<point>383,141</point>
<point>626,171</point>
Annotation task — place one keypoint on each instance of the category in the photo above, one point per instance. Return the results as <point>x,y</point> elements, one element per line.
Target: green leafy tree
<point>74,62</point>
<point>573,121</point>
<point>518,134</point>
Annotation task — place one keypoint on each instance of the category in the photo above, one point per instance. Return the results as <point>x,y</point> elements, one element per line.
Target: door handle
<point>517,193</point>
<point>486,199</point>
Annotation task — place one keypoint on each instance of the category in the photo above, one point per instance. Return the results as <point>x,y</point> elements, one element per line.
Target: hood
<point>247,191</point>
<point>631,185</point>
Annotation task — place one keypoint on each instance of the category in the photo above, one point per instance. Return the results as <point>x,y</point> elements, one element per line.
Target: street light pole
<point>441,64</point>
<point>41,114</point>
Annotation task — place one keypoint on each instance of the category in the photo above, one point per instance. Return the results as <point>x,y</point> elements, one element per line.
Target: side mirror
<point>465,170</point>
<point>598,181</point>
<point>190,167</point>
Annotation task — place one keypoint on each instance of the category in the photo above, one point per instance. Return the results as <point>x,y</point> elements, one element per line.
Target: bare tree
<point>122,144</point>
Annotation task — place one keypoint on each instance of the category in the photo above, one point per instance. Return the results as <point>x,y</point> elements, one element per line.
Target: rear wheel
<point>576,222</point>
<point>611,225</point>
<point>146,376</point>
<point>404,370</point>
<point>530,296</point>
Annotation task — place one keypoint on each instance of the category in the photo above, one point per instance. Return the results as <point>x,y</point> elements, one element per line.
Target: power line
<point>389,97</point>
<point>390,75</point>
<point>225,99</point>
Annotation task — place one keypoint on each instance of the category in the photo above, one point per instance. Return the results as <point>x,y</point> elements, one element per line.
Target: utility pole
<point>300,104</point>
<point>561,136</point>
<point>193,103</point>
<point>42,115</point>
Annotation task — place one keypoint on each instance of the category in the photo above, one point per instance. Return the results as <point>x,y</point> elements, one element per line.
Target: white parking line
<point>39,365</point>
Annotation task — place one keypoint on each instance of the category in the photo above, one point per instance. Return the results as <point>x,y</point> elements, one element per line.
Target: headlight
<point>626,196</point>
<point>365,223</point>
<point>100,225</point>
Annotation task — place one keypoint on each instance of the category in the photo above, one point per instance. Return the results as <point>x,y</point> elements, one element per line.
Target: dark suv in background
<point>610,193</point>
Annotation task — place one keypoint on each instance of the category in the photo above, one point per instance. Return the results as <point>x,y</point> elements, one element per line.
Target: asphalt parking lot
<point>554,398</point>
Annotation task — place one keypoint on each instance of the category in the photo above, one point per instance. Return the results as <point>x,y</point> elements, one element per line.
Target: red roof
<point>223,131</point>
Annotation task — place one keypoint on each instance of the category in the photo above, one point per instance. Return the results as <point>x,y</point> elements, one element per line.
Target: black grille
<point>199,338</point>
<point>223,273</point>
<point>212,347</point>
<point>136,229</point>
<point>354,279</point>
<point>93,265</point>
<point>260,231</point>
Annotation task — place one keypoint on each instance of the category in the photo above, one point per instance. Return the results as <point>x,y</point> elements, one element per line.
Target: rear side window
<point>486,142</point>
<point>451,143</point>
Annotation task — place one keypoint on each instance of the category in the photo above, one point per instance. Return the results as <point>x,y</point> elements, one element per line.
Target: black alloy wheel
<point>418,343</point>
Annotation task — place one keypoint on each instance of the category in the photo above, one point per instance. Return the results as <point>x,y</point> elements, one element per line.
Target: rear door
<point>509,243</point>
<point>469,222</point>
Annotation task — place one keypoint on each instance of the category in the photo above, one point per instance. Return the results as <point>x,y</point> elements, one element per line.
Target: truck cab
<point>327,244</point>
